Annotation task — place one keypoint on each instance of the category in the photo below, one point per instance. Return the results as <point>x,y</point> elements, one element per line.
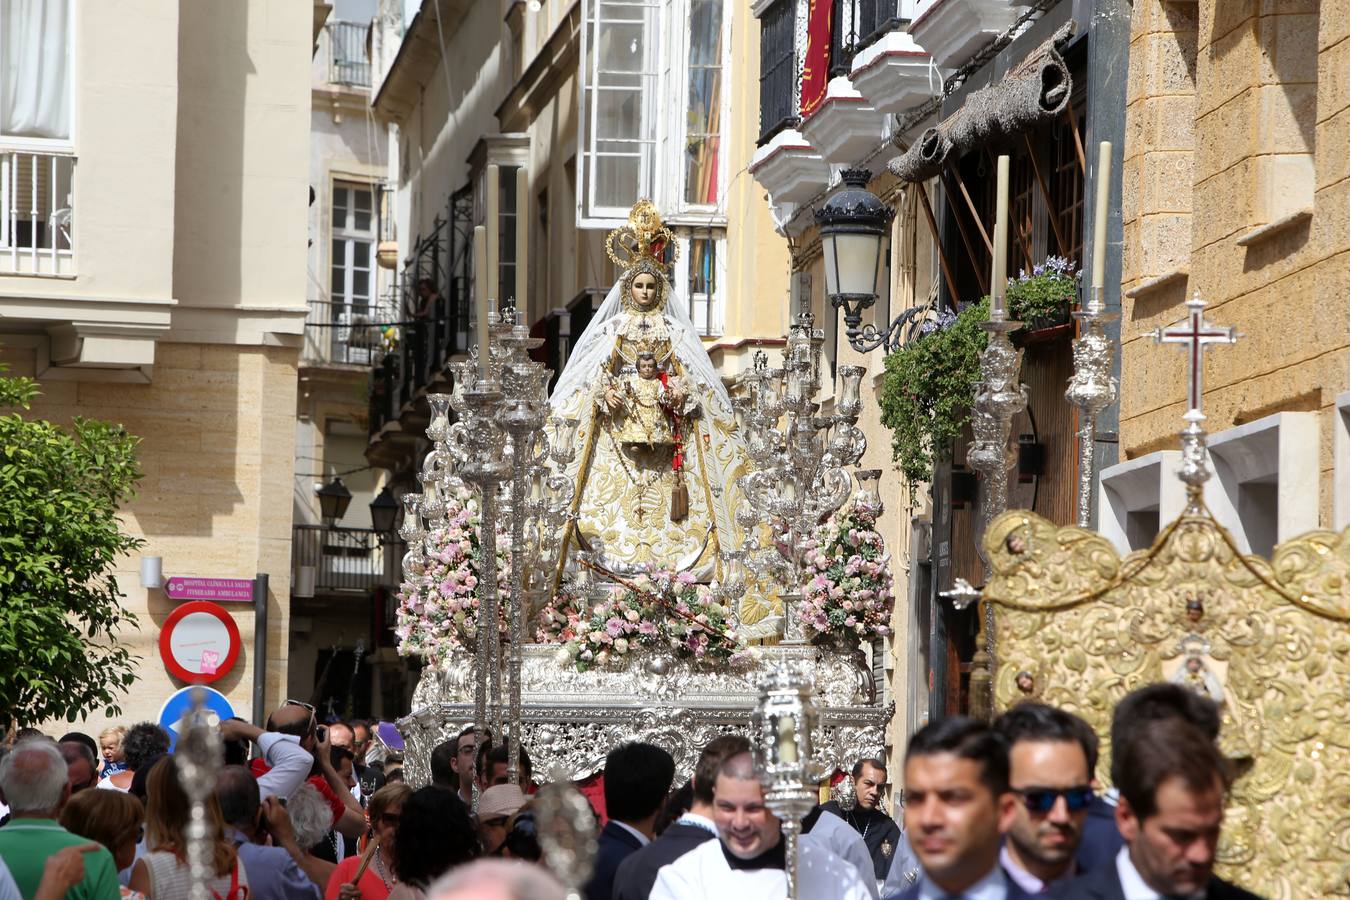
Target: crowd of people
<point>989,812</point>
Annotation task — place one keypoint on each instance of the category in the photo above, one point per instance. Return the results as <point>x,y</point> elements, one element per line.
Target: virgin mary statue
<point>658,456</point>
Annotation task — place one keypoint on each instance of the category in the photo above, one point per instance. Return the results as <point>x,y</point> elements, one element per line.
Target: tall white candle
<point>522,237</point>
<point>480,267</point>
<point>1099,223</point>
<point>494,230</point>
<point>997,282</point>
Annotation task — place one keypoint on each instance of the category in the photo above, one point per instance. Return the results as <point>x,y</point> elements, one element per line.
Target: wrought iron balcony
<point>777,69</point>
<point>349,334</point>
<point>337,560</point>
<point>348,62</point>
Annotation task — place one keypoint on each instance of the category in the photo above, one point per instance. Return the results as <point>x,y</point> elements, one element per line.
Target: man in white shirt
<point>288,761</point>
<point>747,861</point>
<point>1051,756</point>
<point>637,874</point>
<point>957,809</point>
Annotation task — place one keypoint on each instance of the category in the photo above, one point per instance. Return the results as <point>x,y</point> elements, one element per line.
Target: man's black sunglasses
<point>1042,800</point>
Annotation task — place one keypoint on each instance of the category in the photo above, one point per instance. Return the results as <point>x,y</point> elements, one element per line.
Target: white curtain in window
<point>35,60</point>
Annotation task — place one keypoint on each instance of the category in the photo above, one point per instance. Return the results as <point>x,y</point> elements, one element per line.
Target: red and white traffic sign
<point>199,642</point>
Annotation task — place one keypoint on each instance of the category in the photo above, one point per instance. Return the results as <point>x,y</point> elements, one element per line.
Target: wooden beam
<point>980,276</point>
<point>1045,194</point>
<point>974,214</point>
<point>1077,142</point>
<point>937,239</point>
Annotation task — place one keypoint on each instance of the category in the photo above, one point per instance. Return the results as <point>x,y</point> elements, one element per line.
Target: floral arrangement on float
<point>656,611</point>
<point>438,613</point>
<point>847,596</point>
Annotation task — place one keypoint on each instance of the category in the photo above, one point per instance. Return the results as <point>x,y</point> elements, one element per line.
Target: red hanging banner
<point>816,67</point>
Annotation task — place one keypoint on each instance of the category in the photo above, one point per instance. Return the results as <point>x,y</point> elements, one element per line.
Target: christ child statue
<point>644,404</point>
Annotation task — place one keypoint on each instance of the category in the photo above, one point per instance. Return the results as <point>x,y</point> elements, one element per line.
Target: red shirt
<point>371,884</point>
<point>335,803</point>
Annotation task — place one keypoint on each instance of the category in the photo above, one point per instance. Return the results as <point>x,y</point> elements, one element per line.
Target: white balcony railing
<point>37,213</point>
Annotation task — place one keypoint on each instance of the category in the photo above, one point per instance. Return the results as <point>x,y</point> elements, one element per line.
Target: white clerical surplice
<point>705,872</point>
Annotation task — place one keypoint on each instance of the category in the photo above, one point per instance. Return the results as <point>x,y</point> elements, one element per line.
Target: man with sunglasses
<point>1051,757</point>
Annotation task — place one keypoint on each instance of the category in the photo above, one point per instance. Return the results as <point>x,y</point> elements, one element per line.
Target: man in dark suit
<point>879,831</point>
<point>1051,757</point>
<point>1151,703</point>
<point>637,779</point>
<point>957,809</point>
<point>1172,783</point>
<point>637,873</point>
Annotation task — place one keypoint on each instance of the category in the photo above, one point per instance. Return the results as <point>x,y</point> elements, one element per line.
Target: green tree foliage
<point>928,388</point>
<point>60,608</point>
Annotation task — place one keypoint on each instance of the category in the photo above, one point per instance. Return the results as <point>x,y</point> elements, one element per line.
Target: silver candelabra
<point>801,458</point>
<point>1092,388</point>
<point>499,444</point>
<point>999,396</point>
<point>783,727</point>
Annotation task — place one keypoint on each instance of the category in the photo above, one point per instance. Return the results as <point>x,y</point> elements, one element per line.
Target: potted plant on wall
<point>1042,299</point>
<point>929,386</point>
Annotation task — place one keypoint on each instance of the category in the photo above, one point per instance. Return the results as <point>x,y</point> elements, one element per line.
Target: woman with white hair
<point>312,821</point>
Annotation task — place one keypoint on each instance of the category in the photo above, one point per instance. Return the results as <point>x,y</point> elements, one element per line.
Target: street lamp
<point>333,500</point>
<point>383,512</point>
<point>852,224</point>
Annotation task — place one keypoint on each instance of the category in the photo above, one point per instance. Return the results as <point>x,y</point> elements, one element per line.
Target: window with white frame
<point>654,100</point>
<point>703,129</point>
<point>699,274</point>
<point>36,130</point>
<point>352,285</point>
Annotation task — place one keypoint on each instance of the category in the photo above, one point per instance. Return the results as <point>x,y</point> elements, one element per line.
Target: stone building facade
<point>166,291</point>
<point>1236,187</point>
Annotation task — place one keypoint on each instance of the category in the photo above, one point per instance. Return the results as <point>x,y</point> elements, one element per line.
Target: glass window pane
<point>705,98</point>
<point>361,254</point>
<point>700,177</point>
<point>621,48</point>
<point>616,180</point>
<point>705,32</point>
<point>340,207</point>
<point>35,100</point>
<point>618,114</point>
<point>338,286</point>
<point>360,283</point>
<point>702,254</point>
<point>362,200</point>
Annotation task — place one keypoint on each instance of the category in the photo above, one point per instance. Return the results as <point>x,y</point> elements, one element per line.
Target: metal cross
<point>1196,334</point>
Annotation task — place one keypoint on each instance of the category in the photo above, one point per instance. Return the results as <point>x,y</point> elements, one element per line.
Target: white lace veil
<point>592,351</point>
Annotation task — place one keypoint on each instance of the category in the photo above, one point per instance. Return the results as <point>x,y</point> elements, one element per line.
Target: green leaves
<point>60,607</point>
<point>927,391</point>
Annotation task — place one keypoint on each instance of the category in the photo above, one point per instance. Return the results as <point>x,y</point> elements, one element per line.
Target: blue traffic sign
<point>179,702</point>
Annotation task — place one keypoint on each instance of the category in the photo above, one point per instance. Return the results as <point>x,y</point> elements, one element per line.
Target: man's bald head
<point>340,734</point>
<point>294,719</point>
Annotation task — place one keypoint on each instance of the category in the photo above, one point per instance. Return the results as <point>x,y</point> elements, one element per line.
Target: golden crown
<point>643,238</point>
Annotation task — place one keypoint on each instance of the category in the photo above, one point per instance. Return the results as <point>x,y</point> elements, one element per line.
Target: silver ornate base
<point>572,719</point>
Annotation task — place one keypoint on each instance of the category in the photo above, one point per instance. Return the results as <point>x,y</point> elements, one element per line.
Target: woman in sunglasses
<point>375,862</point>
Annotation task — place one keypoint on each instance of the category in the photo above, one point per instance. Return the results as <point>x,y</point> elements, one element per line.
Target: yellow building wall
<point>217,446</point>
<point>1235,112</point>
